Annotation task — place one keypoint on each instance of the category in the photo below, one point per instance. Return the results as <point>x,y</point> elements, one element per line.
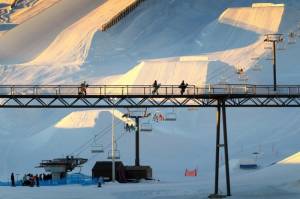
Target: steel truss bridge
<point>143,96</point>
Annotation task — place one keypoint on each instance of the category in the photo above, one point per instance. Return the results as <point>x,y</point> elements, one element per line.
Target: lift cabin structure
<point>170,96</point>
<point>60,166</point>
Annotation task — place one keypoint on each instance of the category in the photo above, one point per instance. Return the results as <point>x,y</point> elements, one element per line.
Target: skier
<point>155,86</point>
<point>82,88</point>
<point>182,86</point>
<point>12,177</point>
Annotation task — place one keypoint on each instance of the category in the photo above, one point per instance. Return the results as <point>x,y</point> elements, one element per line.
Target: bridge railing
<point>210,89</point>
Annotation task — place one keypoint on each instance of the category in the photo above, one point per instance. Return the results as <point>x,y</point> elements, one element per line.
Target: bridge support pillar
<point>137,141</point>
<point>221,110</point>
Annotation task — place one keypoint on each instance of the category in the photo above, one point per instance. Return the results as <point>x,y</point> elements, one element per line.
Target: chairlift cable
<point>98,136</point>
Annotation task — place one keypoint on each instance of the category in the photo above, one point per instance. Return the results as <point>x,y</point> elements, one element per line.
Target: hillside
<point>168,41</point>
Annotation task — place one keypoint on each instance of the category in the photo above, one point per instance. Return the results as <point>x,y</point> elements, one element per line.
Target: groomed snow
<point>207,43</point>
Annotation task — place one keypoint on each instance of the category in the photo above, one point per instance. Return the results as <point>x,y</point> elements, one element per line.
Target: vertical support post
<point>113,144</point>
<point>274,65</point>
<point>217,149</point>
<point>137,142</point>
<point>226,148</point>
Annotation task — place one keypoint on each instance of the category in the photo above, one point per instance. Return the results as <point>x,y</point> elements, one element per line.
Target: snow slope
<point>182,28</point>
<point>24,42</point>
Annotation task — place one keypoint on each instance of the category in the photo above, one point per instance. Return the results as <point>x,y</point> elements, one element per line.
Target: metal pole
<point>137,142</point>
<point>274,65</point>
<point>217,150</point>
<point>113,146</point>
<point>226,148</point>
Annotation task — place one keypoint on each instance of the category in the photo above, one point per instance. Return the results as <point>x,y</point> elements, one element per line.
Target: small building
<point>123,173</point>
<point>104,169</point>
<point>248,164</point>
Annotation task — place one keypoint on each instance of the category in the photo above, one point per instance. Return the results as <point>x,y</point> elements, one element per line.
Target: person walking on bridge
<point>155,86</point>
<point>182,87</point>
<point>82,88</point>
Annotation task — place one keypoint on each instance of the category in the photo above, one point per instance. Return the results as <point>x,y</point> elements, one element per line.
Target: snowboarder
<point>155,86</point>
<point>12,178</point>
<point>182,87</point>
<point>82,88</point>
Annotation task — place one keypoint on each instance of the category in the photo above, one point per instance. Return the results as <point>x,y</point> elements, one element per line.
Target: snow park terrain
<point>199,41</point>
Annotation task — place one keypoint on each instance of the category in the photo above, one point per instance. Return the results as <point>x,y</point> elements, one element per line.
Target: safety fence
<point>148,90</point>
<point>121,14</point>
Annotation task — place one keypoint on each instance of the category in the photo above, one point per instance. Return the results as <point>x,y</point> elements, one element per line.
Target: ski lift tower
<point>274,39</point>
<point>137,115</point>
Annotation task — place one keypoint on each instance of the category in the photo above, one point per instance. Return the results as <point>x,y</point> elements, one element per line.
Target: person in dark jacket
<point>155,86</point>
<point>82,88</point>
<point>182,87</point>
<point>12,178</point>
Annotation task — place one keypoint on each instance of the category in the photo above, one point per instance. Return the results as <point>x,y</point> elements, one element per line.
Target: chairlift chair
<point>269,57</point>
<point>170,116</point>
<point>243,77</point>
<point>281,46</point>
<point>255,58</point>
<point>158,117</point>
<point>268,46</point>
<point>117,155</point>
<point>256,67</point>
<point>146,127</point>
<point>292,38</point>
<point>96,148</point>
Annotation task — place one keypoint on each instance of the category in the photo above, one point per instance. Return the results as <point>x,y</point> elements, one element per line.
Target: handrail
<point>127,90</point>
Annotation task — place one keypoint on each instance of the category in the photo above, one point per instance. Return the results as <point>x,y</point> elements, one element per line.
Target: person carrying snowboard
<point>155,86</point>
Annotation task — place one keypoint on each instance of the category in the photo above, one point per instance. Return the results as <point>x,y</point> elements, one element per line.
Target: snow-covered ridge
<point>246,18</point>
<point>261,18</point>
<point>71,46</point>
<point>257,5</point>
<point>293,159</point>
<point>87,119</point>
